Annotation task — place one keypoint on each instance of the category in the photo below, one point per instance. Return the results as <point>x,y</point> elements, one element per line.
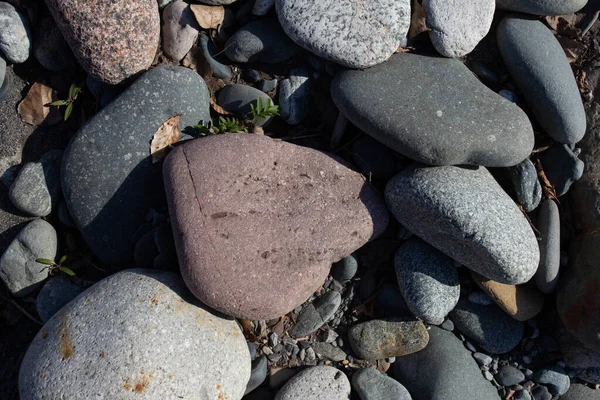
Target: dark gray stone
<point>294,94</point>
<point>145,250</point>
<point>390,303</point>
<point>15,34</point>
<point>51,49</point>
<point>258,374</point>
<point>542,7</point>
<point>447,325</point>
<point>548,220</point>
<point>55,294</point>
<point>444,370</point>
<point>539,66</point>
<point>108,178</point>
<point>219,70</point>
<point>522,395</point>
<point>316,314</point>
<point>371,384</point>
<point>541,393</point>
<point>102,92</point>
<point>237,98</point>
<point>562,167</point>
<point>464,213</point>
<point>262,7</point>
<point>329,351</point>
<point>488,326</point>
<point>508,375</point>
<point>480,298</point>
<point>422,116</point>
<point>345,269</point>
<point>316,383</point>
<point>261,41</point>
<point>64,216</point>
<point>267,85</point>
<point>578,391</point>
<point>427,280</point>
<point>376,161</point>
<point>554,378</point>
<point>179,30</point>
<point>526,184</point>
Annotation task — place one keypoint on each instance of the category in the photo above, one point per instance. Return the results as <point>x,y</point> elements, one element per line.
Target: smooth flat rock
<point>456,28</point>
<point>15,34</point>
<point>179,30</point>
<point>435,111</point>
<point>578,391</point>
<point>316,383</point>
<point>55,294</point>
<point>371,384</point>
<point>554,378</point>
<point>539,67</point>
<point>108,179</point>
<point>344,270</point>
<point>464,213</point>
<point>328,351</point>
<point>546,276</point>
<point>137,334</point>
<point>231,246</point>
<point>444,370</point>
<point>542,7</point>
<point>427,280</point>
<point>316,314</point>
<point>508,375</point>
<point>336,31</point>
<point>133,26</point>
<point>527,186</point>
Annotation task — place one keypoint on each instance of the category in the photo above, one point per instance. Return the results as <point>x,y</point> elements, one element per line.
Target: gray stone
<point>252,350</point>
<point>465,213</point>
<point>329,351</point>
<point>447,325</point>
<point>337,31</point>
<point>261,7</point>
<point>51,49</point>
<point>21,274</point>
<point>316,383</point>
<point>261,41</point>
<point>562,167</point>
<point>508,375</point>
<point>444,370</point>
<point>457,28</point>
<point>36,190</point>
<point>237,98</point>
<point>55,294</point>
<point>258,374</point>
<point>539,66</point>
<point>163,3</point>
<point>64,216</point>
<point>376,161</point>
<point>542,7</point>
<point>217,2</point>
<point>138,331</point>
<point>480,298</point>
<point>548,219</point>
<point>389,302</point>
<point>578,391</point>
<point>554,378</point>
<point>526,184</point>
<point>522,395</point>
<point>509,95</point>
<point>15,34</point>
<point>108,178</point>
<point>423,117</point>
<point>179,30</point>
<point>371,384</point>
<point>488,326</point>
<point>482,359</point>
<point>294,94</point>
<point>316,314</point>
<point>345,269</point>
<point>541,393</point>
<point>219,70</point>
<point>427,280</point>
<point>267,85</point>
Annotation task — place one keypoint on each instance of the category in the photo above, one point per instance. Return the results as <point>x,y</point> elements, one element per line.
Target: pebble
<point>237,98</point>
<point>5,78</point>
<point>345,269</point>
<point>316,383</point>
<point>548,220</point>
<point>316,314</point>
<point>51,49</point>
<point>310,23</point>
<point>427,280</point>
<point>219,71</point>
<point>483,359</point>
<point>480,298</point>
<point>554,378</point>
<point>273,339</point>
<point>21,274</point>
<point>179,30</point>
<point>15,34</point>
<point>329,351</point>
<point>487,375</point>
<point>456,210</point>
<point>522,395</point>
<point>267,85</point>
<point>542,7</point>
<point>252,350</point>
<point>527,186</point>
<point>509,95</point>
<point>562,167</point>
<point>371,384</point>
<point>455,31</point>
<point>294,95</point>
<point>258,374</point>
<point>36,189</point>
<point>578,391</point>
<point>422,117</point>
<point>375,160</point>
<point>508,375</point>
<point>262,7</point>
<point>539,66</point>
<point>55,294</point>
<point>251,75</point>
<point>447,325</point>
<point>541,393</point>
<point>379,339</point>
<point>310,354</point>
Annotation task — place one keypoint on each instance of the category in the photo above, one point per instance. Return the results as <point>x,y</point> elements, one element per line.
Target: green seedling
<point>236,125</point>
<point>54,267</point>
<point>259,110</point>
<point>74,91</point>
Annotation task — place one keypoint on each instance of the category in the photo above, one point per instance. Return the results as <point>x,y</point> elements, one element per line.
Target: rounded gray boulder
<point>316,383</point>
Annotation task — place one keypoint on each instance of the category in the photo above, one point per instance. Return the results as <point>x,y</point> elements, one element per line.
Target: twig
<point>24,311</point>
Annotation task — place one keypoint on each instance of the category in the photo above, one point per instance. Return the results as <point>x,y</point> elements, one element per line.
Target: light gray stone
<point>526,184</point>
<point>136,334</point>
<point>508,375</point>
<point>554,378</point>
<point>373,385</point>
<point>347,32</point>
<point>542,7</point>
<point>15,34</point>
<point>427,280</point>
<point>465,214</point>
<point>316,314</point>
<point>581,392</point>
<point>329,352</point>
<point>55,294</point>
<point>179,30</point>
<point>294,93</point>
<point>18,268</point>
<point>316,383</point>
<point>456,28</point>
<point>546,276</point>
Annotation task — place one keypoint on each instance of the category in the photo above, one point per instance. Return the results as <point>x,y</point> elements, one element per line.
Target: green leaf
<point>68,111</point>
<point>67,271</point>
<point>58,103</point>
<point>63,259</point>
<point>76,92</point>
<point>72,90</point>
<point>44,261</point>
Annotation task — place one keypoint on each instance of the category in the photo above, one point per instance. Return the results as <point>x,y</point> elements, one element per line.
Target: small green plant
<point>263,111</point>
<point>74,91</point>
<point>54,267</point>
<point>237,125</point>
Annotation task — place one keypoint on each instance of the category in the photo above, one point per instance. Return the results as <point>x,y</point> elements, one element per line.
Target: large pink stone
<point>112,39</point>
<point>258,222</point>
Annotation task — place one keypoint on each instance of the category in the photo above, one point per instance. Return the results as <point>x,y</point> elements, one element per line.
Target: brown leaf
<point>573,49</point>
<point>166,135</point>
<point>417,20</point>
<point>208,17</point>
<point>547,188</point>
<point>32,110</point>
<point>196,61</point>
<point>218,108</point>
<point>564,25</point>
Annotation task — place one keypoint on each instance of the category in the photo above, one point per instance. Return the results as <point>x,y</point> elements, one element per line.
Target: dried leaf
<point>33,110</point>
<point>547,188</point>
<point>196,61</point>
<point>208,17</point>
<point>573,49</point>
<point>417,24</point>
<point>218,108</point>
<point>564,25</point>
<point>166,135</point>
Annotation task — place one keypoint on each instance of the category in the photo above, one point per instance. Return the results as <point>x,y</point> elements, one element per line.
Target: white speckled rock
<point>349,32</point>
<point>15,34</point>
<point>316,383</point>
<point>138,334</point>
<point>457,27</point>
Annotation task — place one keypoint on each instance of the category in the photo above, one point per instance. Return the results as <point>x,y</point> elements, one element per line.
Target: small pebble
<point>447,325</point>
<point>482,359</point>
<point>488,375</point>
<point>480,298</point>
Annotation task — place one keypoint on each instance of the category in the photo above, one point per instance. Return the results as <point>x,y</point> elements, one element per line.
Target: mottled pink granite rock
<point>112,39</point>
<point>258,222</point>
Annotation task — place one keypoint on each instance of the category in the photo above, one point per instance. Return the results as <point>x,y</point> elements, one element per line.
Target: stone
<point>179,30</point>
<point>219,70</point>
<point>5,78</point>
<point>444,370</point>
<point>237,98</point>
<point>482,359</point>
<point>541,393</point>
<point>217,2</point>
<point>389,302</point>
<point>329,351</point>
<point>134,27</point>
<point>427,280</point>
<point>375,160</point>
<point>51,49</point>
<point>554,378</point>
<point>447,325</point>
<point>63,215</point>
<point>15,34</point>
<point>539,67</point>
<point>316,383</point>
<point>316,314</point>
<point>508,375</point>
<point>262,7</point>
<point>423,117</point>
<point>562,167</point>
<point>379,339</point>
<point>519,301</point>
<point>145,251</point>
<point>480,298</point>
<point>294,95</point>
<point>371,384</point>
<point>488,326</point>
<point>21,274</point>
<point>267,85</point>
<point>137,331</point>
<point>457,29</point>
<point>578,391</point>
<point>464,213</point>
<point>345,269</point>
<point>36,189</point>
<point>319,212</point>
<point>548,219</point>
<point>258,374</point>
<point>336,31</point>
<point>55,294</point>
<point>522,395</point>
<point>261,41</point>
<point>108,178</point>
<point>526,184</point>
<point>542,7</point>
